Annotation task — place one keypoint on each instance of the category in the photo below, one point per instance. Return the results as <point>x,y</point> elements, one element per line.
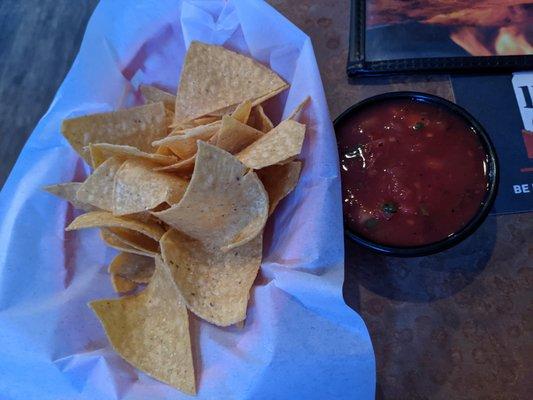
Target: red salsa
<point>413,172</point>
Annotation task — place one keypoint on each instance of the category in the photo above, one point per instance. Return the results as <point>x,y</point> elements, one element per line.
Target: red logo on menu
<point>528,142</point>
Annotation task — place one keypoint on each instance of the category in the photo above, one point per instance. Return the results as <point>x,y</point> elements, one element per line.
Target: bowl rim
<point>493,175</point>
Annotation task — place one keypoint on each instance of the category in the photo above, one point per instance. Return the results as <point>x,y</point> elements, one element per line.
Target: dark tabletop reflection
<point>420,279</point>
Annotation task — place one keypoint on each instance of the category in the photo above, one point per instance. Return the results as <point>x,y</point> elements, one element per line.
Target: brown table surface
<point>456,325</point>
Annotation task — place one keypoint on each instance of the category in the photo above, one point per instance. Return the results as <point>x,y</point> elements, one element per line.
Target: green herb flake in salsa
<point>419,126</point>
<point>389,208</point>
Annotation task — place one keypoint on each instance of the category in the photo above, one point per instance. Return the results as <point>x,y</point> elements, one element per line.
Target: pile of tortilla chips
<point>183,187</point>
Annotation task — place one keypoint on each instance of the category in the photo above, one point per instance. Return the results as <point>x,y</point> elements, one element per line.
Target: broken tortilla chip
<point>112,240</point>
<point>122,285</point>
<point>97,189</point>
<point>214,77</point>
<point>138,127</point>
<point>279,181</point>
<point>242,112</point>
<point>235,136</point>
<point>215,284</point>
<point>281,143</point>
<point>137,187</point>
<point>67,191</point>
<point>150,330</point>
<point>259,120</point>
<point>224,206</point>
<point>104,219</point>
<point>136,268</point>
<point>152,94</point>
<point>136,240</point>
<point>102,151</point>
<point>184,145</point>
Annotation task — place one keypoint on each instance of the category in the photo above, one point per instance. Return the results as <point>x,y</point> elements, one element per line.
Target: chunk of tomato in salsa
<point>412,172</point>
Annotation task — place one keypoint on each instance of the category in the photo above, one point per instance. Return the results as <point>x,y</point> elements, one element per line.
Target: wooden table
<point>456,325</point>
<point>38,41</point>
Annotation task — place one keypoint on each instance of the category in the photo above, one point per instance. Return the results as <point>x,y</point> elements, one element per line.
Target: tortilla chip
<point>184,167</point>
<point>213,78</point>
<point>145,216</point>
<point>138,188</point>
<point>184,145</point>
<point>136,268</point>
<point>208,119</point>
<point>212,117</point>
<point>67,191</point>
<point>231,109</point>
<point>235,136</point>
<point>136,240</point>
<point>97,189</point>
<point>224,111</point>
<point>242,112</point>
<point>176,126</point>
<point>112,240</point>
<point>297,112</point>
<point>281,143</point>
<point>224,206</point>
<point>102,151</point>
<point>214,139</point>
<point>215,284</point>
<point>122,285</point>
<point>267,96</point>
<point>150,330</point>
<point>104,219</point>
<point>152,94</point>
<point>164,151</point>
<point>259,120</point>
<point>279,181</point>
<point>179,130</point>
<point>138,126</point>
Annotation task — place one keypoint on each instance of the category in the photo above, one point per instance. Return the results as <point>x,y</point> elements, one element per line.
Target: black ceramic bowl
<point>492,176</point>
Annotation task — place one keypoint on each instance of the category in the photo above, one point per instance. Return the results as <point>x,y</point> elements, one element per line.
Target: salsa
<point>413,172</point>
